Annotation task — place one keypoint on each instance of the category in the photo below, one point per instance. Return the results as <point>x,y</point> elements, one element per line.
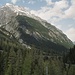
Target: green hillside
<point>16,59</point>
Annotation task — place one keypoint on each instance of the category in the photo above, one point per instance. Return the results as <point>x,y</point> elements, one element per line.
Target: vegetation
<point>15,59</point>
<point>42,40</point>
<point>70,56</point>
<point>49,46</point>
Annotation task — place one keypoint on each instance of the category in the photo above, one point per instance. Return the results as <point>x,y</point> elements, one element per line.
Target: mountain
<point>31,30</point>
<point>5,35</point>
<point>74,42</point>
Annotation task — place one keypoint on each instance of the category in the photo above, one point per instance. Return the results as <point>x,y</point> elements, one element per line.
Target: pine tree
<point>11,63</point>
<point>27,64</point>
<point>19,63</point>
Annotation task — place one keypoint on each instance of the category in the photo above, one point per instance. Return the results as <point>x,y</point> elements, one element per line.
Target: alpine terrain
<point>31,30</point>
<point>30,45</point>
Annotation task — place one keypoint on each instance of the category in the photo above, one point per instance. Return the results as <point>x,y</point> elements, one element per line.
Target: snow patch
<point>8,4</point>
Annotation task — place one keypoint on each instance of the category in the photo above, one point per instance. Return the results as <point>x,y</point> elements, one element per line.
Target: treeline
<point>69,58</point>
<point>15,59</point>
<point>69,61</point>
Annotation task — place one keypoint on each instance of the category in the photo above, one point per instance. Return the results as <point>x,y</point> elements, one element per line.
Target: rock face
<point>32,30</point>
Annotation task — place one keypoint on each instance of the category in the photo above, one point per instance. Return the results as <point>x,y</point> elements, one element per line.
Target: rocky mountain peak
<point>30,28</point>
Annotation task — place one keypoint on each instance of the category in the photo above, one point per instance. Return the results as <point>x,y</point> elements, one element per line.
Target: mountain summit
<point>32,30</point>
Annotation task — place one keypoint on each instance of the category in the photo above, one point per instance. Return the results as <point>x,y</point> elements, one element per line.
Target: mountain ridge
<point>24,26</point>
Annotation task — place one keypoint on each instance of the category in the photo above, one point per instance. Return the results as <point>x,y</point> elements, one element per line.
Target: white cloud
<point>52,14</point>
<point>31,2</point>
<point>49,2</point>
<point>71,33</point>
<point>73,2</point>
<point>14,1</point>
<point>61,4</point>
<point>70,13</point>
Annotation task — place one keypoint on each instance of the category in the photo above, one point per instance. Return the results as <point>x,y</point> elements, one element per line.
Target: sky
<point>60,13</point>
